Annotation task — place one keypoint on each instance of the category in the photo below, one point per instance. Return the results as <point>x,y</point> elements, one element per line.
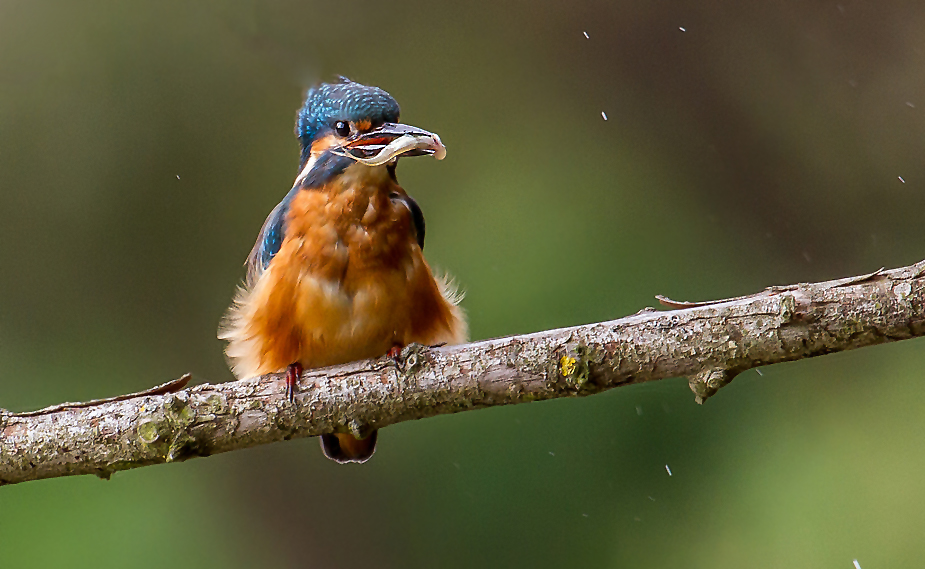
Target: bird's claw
<point>397,355</point>
<point>408,357</point>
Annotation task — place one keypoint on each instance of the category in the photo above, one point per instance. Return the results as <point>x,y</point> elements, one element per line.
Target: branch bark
<point>709,343</point>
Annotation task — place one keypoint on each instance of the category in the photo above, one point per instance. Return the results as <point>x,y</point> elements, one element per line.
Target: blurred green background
<point>746,144</point>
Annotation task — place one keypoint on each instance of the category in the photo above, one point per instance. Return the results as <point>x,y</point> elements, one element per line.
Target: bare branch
<point>709,343</point>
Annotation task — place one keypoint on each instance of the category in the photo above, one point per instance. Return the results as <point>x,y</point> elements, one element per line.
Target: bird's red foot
<point>395,353</point>
<point>293,372</point>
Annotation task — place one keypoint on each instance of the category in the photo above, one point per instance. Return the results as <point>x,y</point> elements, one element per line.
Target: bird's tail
<point>344,447</point>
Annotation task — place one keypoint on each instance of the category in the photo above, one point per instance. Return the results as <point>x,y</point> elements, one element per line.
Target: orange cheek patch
<point>364,125</point>
<point>326,143</point>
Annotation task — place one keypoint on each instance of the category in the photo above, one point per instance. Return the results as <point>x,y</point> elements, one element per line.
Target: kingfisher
<point>337,273</point>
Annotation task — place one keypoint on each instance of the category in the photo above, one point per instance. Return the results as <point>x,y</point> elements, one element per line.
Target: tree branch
<point>710,343</point>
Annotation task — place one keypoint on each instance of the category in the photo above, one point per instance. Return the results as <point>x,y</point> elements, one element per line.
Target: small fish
<point>401,145</point>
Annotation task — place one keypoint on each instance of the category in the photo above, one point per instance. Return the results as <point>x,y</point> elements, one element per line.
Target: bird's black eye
<point>342,129</point>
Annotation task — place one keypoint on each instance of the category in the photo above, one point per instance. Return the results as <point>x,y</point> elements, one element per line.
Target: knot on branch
<point>708,381</point>
<point>412,357</point>
<point>165,431</point>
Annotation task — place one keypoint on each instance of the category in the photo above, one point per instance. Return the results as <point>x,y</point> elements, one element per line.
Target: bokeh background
<point>745,144</point>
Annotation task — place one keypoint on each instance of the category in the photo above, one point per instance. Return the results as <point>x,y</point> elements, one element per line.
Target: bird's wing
<point>417,216</point>
<point>269,239</point>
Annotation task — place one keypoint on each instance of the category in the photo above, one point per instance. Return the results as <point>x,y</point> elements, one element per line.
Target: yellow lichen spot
<point>567,365</point>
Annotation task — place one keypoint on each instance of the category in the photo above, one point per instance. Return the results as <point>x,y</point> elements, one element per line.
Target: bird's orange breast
<point>348,282</point>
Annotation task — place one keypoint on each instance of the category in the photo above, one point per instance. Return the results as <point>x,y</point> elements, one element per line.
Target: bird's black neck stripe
<point>328,166</point>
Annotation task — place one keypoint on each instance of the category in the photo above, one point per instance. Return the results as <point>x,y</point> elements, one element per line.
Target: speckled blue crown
<point>344,101</point>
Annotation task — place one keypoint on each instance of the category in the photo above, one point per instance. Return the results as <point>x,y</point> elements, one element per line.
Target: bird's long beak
<point>391,140</point>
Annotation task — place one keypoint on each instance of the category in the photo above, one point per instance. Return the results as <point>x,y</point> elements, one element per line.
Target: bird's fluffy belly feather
<point>349,282</point>
<point>315,321</point>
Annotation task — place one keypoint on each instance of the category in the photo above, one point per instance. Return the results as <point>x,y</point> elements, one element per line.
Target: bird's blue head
<point>346,102</point>
<point>345,123</point>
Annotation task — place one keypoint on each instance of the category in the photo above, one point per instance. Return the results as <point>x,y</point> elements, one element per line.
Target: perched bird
<point>337,273</point>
